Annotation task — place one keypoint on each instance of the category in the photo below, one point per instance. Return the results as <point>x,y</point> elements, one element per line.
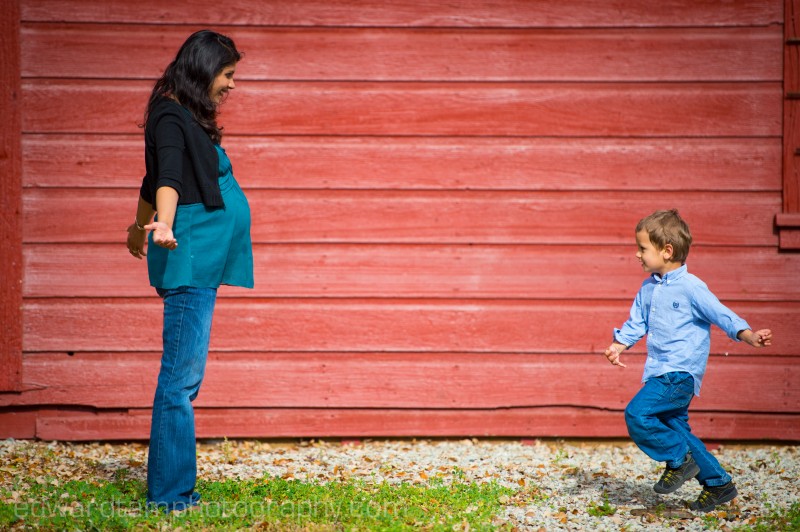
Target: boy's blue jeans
<point>658,422</point>
<point>171,461</point>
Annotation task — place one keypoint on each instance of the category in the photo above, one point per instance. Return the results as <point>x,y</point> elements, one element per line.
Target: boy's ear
<point>667,252</point>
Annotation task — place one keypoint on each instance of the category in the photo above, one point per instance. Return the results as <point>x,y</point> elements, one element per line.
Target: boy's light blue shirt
<point>676,312</point>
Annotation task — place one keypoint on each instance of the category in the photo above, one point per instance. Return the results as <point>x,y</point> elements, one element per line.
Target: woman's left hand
<point>162,235</point>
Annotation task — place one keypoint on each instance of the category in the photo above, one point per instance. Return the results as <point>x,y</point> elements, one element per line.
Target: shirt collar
<point>671,276</point>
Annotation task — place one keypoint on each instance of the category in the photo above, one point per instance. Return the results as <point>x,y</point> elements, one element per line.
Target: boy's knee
<point>632,418</point>
<point>636,425</point>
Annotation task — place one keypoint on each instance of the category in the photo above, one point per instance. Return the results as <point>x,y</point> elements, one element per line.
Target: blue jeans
<point>658,422</point>
<point>171,461</point>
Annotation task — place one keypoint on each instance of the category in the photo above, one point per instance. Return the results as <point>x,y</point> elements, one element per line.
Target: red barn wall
<point>443,201</point>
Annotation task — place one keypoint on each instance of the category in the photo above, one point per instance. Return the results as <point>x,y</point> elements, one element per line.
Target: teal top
<point>214,244</point>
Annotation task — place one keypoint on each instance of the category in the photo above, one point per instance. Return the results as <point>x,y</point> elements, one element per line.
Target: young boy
<point>675,310</point>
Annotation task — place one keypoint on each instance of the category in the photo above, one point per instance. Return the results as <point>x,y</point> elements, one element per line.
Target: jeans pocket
<point>682,390</point>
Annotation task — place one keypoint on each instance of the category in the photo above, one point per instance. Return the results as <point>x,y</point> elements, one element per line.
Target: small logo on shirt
<point>675,304</point>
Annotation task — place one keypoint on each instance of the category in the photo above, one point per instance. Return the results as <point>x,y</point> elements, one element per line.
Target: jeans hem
<point>717,483</point>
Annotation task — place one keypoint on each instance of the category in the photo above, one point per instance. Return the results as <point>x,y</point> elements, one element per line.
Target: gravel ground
<point>558,481</point>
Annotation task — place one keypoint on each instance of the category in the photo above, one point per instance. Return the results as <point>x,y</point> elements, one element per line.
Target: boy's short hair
<point>667,227</point>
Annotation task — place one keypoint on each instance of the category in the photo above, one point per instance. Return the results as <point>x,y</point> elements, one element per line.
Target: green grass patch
<point>603,509</point>
<point>778,520</point>
<point>262,504</point>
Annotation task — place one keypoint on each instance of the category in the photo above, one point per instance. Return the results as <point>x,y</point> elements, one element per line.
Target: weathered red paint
<point>10,200</point>
<point>399,380</point>
<point>443,199</point>
<point>565,422</point>
<point>788,221</point>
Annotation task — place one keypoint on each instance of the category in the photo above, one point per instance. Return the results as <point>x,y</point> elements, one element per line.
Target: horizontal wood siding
<point>564,422</point>
<point>426,271</point>
<point>290,54</point>
<point>53,215</point>
<point>374,324</point>
<point>405,380</point>
<point>416,13</point>
<point>434,163</point>
<point>443,200</point>
<point>424,109</point>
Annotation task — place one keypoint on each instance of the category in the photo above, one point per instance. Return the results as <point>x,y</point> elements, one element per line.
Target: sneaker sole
<point>666,491</point>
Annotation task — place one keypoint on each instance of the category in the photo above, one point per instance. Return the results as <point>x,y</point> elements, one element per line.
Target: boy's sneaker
<point>672,479</point>
<point>712,496</point>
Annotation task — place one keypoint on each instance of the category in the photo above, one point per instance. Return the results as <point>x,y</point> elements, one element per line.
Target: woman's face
<point>222,83</point>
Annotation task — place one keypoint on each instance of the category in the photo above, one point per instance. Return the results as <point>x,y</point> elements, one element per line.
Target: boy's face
<point>653,260</point>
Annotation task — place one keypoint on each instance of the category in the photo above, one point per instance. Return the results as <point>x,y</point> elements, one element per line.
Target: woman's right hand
<point>162,235</point>
<point>136,240</point>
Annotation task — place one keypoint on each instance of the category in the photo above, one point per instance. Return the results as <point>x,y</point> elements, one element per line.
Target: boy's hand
<point>613,352</point>
<point>760,338</point>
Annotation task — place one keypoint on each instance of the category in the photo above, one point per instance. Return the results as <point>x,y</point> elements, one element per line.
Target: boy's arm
<point>631,332</point>
<point>708,308</point>
<point>635,327</point>
<point>760,338</point>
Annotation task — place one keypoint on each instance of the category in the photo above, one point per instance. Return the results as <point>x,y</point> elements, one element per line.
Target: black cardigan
<point>179,154</point>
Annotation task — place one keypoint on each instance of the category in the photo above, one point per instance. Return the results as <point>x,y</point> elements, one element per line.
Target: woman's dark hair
<point>189,77</point>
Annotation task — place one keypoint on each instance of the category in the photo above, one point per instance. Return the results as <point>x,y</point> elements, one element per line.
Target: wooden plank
<point>89,160</point>
<point>789,236</point>
<point>420,54</point>
<point>742,164</point>
<point>18,423</point>
<point>400,380</point>
<point>791,122</point>
<point>375,325</point>
<point>449,109</point>
<point>57,215</point>
<point>789,239</point>
<point>466,13</point>
<point>423,271</point>
<point>10,199</point>
<point>788,226</point>
<point>561,422</point>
